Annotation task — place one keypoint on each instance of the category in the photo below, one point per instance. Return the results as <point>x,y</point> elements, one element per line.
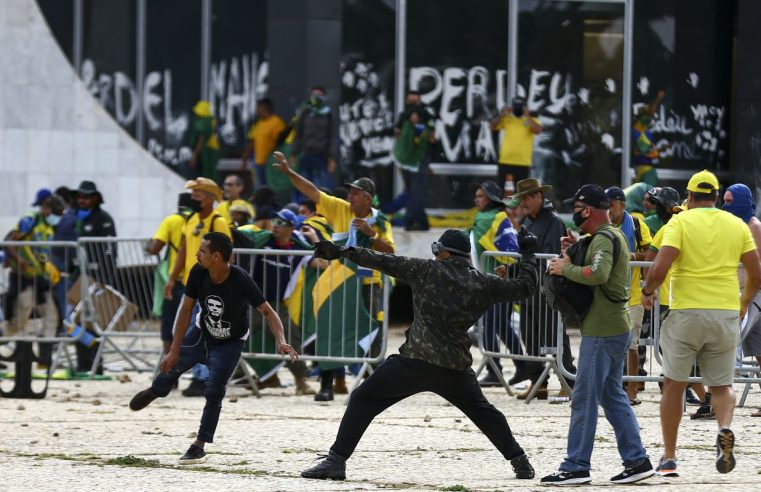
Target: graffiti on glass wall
<point>697,133</point>
<point>234,86</point>
<point>366,116</point>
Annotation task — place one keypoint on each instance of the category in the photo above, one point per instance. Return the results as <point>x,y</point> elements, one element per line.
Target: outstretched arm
<point>401,267</point>
<point>306,187</point>
<point>521,287</point>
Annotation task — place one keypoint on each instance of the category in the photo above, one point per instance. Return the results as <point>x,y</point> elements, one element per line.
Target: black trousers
<point>399,377</point>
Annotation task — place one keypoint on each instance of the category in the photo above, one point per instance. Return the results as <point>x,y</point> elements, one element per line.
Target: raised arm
<point>306,187</point>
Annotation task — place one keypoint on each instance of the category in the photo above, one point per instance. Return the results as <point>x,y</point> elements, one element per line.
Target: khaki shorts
<point>709,336</point>
<point>636,315</point>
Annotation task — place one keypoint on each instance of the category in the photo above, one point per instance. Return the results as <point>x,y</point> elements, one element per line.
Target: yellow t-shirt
<point>710,243</point>
<point>665,288</point>
<point>170,233</point>
<point>517,140</point>
<point>264,133</point>
<point>339,213</point>
<point>224,208</point>
<point>636,273</point>
<point>194,233</point>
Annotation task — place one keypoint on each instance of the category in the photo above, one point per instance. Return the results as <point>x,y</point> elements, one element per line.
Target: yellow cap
<point>202,109</point>
<point>207,185</point>
<point>703,182</point>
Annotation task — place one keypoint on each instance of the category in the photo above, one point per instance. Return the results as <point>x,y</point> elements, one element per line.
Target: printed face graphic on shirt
<point>215,325</point>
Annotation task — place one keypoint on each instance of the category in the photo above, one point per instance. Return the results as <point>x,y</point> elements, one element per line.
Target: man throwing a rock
<point>449,296</point>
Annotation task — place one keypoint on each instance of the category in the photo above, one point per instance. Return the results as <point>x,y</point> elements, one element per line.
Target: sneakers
<point>567,478</point>
<point>666,468</point>
<point>725,443</point>
<point>522,467</point>
<point>142,399</point>
<point>489,380</point>
<point>635,473</point>
<point>194,456</point>
<point>196,388</point>
<point>692,399</point>
<point>332,467</point>
<point>705,412</point>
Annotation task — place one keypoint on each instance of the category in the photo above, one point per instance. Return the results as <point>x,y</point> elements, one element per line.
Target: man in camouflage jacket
<point>449,296</point>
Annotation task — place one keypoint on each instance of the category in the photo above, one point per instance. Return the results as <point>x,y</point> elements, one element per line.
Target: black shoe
<point>691,398</point>
<point>142,399</point>
<point>725,444</point>
<point>333,467</point>
<point>325,394</point>
<point>489,380</point>
<point>635,473</point>
<point>519,377</point>
<point>522,467</point>
<point>567,478</point>
<point>704,412</point>
<point>194,456</point>
<point>196,388</point>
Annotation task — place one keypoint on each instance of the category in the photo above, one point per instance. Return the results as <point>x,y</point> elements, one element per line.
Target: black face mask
<point>518,110</point>
<point>578,220</point>
<point>195,205</point>
<point>662,213</point>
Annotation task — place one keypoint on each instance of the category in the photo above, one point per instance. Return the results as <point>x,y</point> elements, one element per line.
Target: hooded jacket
<point>548,227</point>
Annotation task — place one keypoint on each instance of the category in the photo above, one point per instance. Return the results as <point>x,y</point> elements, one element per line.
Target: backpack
<point>572,299</point>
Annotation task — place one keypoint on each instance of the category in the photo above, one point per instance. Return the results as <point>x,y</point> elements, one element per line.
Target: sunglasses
<point>281,222</point>
<point>198,229</point>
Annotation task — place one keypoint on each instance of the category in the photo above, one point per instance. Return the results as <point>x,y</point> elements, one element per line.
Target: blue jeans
<point>598,382</point>
<point>221,359</point>
<point>315,169</point>
<point>199,371</point>
<point>261,175</point>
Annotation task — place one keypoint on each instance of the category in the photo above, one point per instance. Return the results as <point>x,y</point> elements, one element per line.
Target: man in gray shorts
<point>702,247</point>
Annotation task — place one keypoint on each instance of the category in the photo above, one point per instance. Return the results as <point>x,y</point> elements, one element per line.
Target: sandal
<point>636,402</point>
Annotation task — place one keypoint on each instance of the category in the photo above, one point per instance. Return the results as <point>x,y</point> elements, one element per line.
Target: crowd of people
<point>695,247</point>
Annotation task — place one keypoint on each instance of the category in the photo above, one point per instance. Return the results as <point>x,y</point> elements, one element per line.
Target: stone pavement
<point>84,436</point>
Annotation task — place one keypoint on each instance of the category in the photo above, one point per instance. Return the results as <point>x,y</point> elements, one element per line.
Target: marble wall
<point>53,132</point>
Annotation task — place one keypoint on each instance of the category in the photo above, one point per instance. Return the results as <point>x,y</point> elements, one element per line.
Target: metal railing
<point>553,352</point>
<point>334,313</point>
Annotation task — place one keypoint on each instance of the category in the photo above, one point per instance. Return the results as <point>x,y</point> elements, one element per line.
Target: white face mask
<point>53,219</point>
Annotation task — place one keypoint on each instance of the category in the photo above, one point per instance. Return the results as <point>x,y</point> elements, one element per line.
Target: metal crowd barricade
<point>498,327</point>
<point>653,359</point>
<point>523,331</point>
<point>120,284</point>
<point>334,313</point>
<point>36,277</point>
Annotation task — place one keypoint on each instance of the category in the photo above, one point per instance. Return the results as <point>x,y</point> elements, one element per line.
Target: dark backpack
<point>572,299</point>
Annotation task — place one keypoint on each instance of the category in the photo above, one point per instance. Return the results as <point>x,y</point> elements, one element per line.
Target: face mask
<point>578,220</point>
<point>518,110</point>
<point>195,205</point>
<point>53,219</point>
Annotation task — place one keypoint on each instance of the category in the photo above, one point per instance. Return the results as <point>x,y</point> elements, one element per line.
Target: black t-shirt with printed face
<point>224,307</point>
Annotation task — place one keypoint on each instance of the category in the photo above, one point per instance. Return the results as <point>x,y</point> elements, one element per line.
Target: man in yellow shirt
<point>262,139</point>
<point>638,238</point>
<point>233,188</point>
<point>354,221</point>
<point>169,234</point>
<point>518,130</point>
<point>702,247</point>
<point>204,192</point>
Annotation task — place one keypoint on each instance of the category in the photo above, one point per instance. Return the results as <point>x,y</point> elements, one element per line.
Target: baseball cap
<point>455,241</point>
<point>615,193</point>
<point>591,195</point>
<point>703,182</point>
<point>288,216</point>
<point>42,194</point>
<point>666,196</point>
<point>362,184</point>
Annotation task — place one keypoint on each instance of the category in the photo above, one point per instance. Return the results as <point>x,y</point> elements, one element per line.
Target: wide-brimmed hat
<point>207,185</point>
<point>529,186</point>
<point>240,208</point>
<point>89,188</point>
